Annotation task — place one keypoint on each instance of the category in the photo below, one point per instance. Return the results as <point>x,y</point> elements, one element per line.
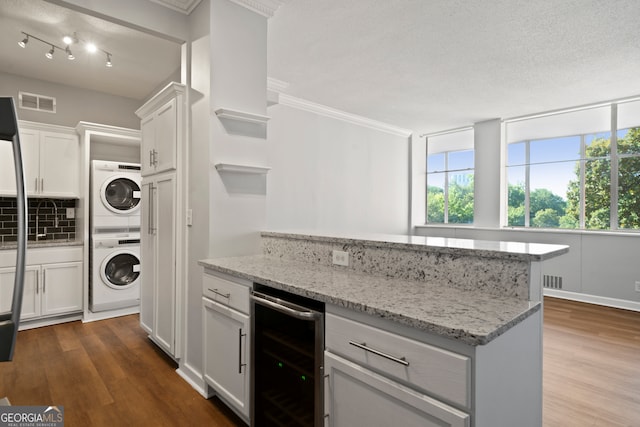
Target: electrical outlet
<point>71,213</point>
<point>637,286</point>
<point>341,258</point>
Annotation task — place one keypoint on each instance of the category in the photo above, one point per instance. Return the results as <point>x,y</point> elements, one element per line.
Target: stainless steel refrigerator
<point>9,321</point>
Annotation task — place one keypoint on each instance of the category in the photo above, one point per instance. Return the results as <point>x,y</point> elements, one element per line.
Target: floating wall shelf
<point>253,170</point>
<point>241,116</point>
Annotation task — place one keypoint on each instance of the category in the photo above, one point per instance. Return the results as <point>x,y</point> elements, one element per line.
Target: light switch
<point>71,213</point>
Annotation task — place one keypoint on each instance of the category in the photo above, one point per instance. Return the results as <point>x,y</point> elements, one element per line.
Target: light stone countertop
<point>478,248</point>
<point>32,244</point>
<point>470,316</point>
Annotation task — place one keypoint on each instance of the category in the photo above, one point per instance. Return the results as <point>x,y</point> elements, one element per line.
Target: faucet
<point>55,218</point>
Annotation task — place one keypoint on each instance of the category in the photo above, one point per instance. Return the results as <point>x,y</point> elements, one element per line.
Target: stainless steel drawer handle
<point>215,291</point>
<point>240,364</point>
<point>400,360</point>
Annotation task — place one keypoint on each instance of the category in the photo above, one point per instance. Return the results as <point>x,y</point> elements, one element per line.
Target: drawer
<point>434,370</point>
<point>227,292</point>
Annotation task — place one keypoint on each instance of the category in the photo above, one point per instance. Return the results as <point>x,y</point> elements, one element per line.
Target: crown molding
<point>263,7</point>
<point>182,6</point>
<point>323,110</point>
<point>276,85</point>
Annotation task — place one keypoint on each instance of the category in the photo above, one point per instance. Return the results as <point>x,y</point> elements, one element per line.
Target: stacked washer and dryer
<point>115,235</point>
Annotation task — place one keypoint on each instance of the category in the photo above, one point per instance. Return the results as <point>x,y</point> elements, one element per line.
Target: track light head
<point>109,63</point>
<point>24,42</point>
<point>70,56</point>
<point>49,54</point>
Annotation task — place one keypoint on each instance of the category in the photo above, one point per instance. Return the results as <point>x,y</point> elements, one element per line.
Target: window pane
<point>461,198</point>
<point>598,145</point>
<point>629,141</point>
<point>597,194</point>
<point>554,149</point>
<point>548,193</point>
<point>516,154</point>
<point>435,162</point>
<point>460,160</point>
<point>515,206</point>
<point>435,198</point>
<point>629,193</point>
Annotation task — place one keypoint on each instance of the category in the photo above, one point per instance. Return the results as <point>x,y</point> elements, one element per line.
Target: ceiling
<point>433,65</point>
<point>141,62</point>
<point>422,65</point>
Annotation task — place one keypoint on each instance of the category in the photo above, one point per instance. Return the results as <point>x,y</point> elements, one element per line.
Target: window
<point>574,171</point>
<point>450,161</point>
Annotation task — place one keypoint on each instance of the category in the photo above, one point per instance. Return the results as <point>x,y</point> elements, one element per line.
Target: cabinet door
<point>147,258</point>
<point>166,136</point>
<point>7,169</point>
<point>164,214</point>
<point>226,333</point>
<point>356,396</point>
<point>147,145</point>
<point>31,295</point>
<point>59,165</point>
<point>61,288</point>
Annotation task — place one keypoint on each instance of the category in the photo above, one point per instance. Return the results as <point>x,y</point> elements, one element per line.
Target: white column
<point>487,173</point>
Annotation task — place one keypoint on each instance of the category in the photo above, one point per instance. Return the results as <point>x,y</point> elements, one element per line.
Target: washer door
<point>121,195</point>
<point>121,270</point>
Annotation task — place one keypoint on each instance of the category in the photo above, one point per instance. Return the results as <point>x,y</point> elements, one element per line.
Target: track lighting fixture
<point>68,41</point>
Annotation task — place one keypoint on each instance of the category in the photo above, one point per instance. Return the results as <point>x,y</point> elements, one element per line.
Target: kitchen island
<point>468,313</point>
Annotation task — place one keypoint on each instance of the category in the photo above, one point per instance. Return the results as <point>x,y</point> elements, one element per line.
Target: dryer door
<point>121,270</point>
<point>121,195</point>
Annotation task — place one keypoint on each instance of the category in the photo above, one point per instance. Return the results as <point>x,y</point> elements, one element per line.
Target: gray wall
<point>72,104</point>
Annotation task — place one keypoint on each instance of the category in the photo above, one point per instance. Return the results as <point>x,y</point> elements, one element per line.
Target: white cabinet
<point>50,289</point>
<point>51,158</point>
<point>162,216</point>
<point>378,378</point>
<point>161,124</point>
<point>356,396</point>
<point>159,297</point>
<point>227,341</point>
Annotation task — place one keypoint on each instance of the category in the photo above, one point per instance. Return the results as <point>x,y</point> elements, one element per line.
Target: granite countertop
<point>32,244</point>
<point>470,316</point>
<point>478,248</point>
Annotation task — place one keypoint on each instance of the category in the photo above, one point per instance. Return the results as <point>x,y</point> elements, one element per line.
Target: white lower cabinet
<point>159,293</point>
<point>49,289</point>
<point>356,396</point>
<point>227,339</point>
<point>378,378</point>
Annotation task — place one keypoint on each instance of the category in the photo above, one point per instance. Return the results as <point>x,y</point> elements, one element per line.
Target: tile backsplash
<point>66,227</point>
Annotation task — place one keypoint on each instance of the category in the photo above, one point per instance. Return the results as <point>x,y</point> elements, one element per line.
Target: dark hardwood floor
<point>105,373</point>
<point>108,373</point>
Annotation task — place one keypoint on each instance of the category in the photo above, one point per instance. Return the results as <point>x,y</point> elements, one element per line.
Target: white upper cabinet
<point>161,123</point>
<point>51,158</point>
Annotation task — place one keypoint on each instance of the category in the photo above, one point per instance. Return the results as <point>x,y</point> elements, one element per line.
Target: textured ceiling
<point>429,65</point>
<point>141,62</point>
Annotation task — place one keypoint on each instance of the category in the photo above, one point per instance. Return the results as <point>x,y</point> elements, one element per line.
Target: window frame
<point>447,172</point>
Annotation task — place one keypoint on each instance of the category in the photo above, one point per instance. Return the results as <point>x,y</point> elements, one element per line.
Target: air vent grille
<point>552,282</point>
<point>32,101</point>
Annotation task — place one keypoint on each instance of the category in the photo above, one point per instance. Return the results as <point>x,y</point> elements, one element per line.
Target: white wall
<point>332,175</point>
<point>72,104</point>
<point>198,65</point>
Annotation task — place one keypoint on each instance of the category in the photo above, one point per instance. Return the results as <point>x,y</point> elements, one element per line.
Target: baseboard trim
<point>594,299</point>
<point>194,379</point>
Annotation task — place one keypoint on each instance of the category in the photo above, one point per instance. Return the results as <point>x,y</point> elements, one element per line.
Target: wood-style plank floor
<point>108,373</point>
<point>591,365</point>
<point>105,373</point>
